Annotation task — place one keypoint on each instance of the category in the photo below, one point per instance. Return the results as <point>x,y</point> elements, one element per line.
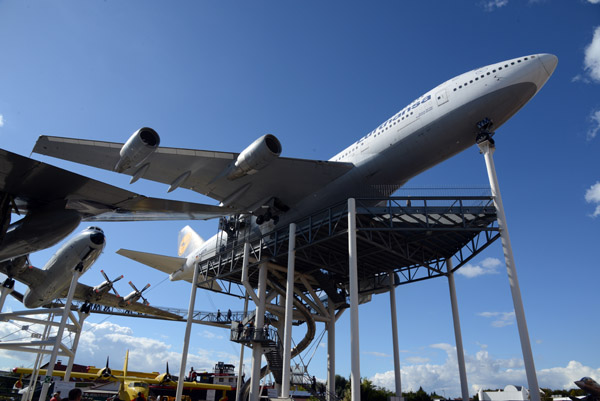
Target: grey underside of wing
<point>37,185</point>
<point>85,293</point>
<point>32,277</point>
<point>288,179</point>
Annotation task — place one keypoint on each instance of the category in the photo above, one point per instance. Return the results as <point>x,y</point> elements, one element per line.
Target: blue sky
<point>319,75</point>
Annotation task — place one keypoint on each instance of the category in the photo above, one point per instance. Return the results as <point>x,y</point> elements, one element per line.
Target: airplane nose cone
<point>97,238</point>
<point>549,61</point>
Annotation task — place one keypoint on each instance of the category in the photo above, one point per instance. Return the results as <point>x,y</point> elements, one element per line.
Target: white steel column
<point>393,312</point>
<point>460,353</point>
<point>353,267</point>
<point>331,351</point>
<point>82,316</point>
<point>259,321</point>
<point>242,346</point>
<point>188,331</point>
<point>28,395</point>
<point>59,334</point>
<point>289,314</point>
<point>488,148</point>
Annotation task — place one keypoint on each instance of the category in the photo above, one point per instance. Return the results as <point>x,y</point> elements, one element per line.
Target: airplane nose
<point>549,61</point>
<point>97,238</point>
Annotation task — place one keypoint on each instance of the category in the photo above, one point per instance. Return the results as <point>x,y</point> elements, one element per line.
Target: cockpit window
<point>95,228</point>
<point>138,384</point>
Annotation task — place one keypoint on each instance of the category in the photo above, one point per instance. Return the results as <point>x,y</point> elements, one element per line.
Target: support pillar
<point>394,319</point>
<point>460,353</point>
<point>289,314</point>
<point>487,147</point>
<point>259,321</point>
<point>331,351</point>
<point>188,331</point>
<point>82,317</point>
<point>28,395</point>
<point>242,346</point>
<point>61,328</point>
<point>353,267</point>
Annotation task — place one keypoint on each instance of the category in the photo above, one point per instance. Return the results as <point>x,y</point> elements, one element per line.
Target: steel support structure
<point>488,147</point>
<point>394,320</point>
<point>259,321</point>
<point>61,328</point>
<point>186,339</point>
<point>289,298</point>
<point>241,365</point>
<point>331,351</point>
<point>353,272</point>
<point>460,353</point>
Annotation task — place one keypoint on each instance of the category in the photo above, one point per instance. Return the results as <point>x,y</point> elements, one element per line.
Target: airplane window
<point>471,81</point>
<point>499,68</point>
<point>482,76</point>
<point>532,56</point>
<point>518,61</point>
<point>454,91</point>
<point>460,87</point>
<point>526,58</point>
<point>506,66</point>
<point>513,63</point>
<point>488,73</point>
<point>493,70</point>
<point>476,79</point>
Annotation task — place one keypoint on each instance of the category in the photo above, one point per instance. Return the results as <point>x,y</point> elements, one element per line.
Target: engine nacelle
<point>255,157</point>
<point>137,149</point>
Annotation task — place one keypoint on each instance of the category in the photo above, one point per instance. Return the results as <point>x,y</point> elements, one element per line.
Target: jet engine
<point>137,149</point>
<point>255,157</point>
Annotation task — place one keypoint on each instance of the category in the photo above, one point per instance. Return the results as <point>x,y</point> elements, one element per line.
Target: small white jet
<point>437,125</point>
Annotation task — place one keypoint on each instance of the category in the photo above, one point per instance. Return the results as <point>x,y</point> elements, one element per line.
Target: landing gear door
<point>442,97</point>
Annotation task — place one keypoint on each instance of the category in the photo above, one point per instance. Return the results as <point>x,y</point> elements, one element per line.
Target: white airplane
<point>437,125</point>
<point>52,281</point>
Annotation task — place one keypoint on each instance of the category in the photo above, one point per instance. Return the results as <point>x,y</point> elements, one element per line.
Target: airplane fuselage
<point>79,252</point>
<point>434,127</point>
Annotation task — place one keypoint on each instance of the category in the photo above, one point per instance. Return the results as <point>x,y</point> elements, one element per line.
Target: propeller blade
<point>105,276</point>
<point>117,279</point>
<point>133,286</point>
<point>145,288</point>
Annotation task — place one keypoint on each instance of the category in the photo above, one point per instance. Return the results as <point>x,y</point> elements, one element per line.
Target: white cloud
<point>591,59</point>
<point>594,1</point>
<point>210,335</point>
<point>483,371</point>
<point>592,195</point>
<point>1,120</point>
<point>416,360</point>
<point>487,266</point>
<point>595,118</point>
<point>374,353</point>
<point>491,5</point>
<point>501,319</point>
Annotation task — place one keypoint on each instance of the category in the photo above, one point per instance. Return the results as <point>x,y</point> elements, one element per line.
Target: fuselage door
<point>442,97</point>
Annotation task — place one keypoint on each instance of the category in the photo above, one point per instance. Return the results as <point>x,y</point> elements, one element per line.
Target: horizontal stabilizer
<point>166,264</point>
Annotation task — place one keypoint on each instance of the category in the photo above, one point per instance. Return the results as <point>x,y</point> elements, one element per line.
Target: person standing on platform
<point>75,394</point>
<point>55,396</point>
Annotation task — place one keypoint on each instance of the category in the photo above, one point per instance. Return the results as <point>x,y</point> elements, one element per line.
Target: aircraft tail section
<point>188,241</point>
<point>166,264</point>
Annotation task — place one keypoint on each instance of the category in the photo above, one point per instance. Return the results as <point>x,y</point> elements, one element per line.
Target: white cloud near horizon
<point>501,319</point>
<point>594,1</point>
<point>486,266</point>
<point>592,195</point>
<point>1,121</point>
<point>483,371</point>
<point>492,5</point>
<point>375,353</point>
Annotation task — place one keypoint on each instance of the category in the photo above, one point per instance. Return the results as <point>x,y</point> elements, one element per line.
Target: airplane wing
<point>166,264</point>
<point>287,179</point>
<point>86,293</point>
<point>37,186</point>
